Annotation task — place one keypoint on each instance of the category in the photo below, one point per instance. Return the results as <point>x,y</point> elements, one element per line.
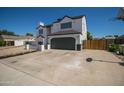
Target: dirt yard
<point>4,51</point>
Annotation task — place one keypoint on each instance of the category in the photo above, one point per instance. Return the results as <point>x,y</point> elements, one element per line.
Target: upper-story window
<point>40,31</point>
<point>66,25</point>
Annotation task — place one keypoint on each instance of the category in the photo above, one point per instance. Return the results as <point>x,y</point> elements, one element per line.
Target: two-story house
<point>65,33</point>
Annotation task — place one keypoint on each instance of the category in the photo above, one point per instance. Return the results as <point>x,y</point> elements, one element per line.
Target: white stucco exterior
<point>78,24</point>
<point>18,42</point>
<point>77,38</point>
<point>21,42</point>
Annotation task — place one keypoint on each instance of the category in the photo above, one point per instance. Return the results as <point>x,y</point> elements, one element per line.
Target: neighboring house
<point>65,33</point>
<point>16,40</point>
<point>110,37</point>
<point>121,37</point>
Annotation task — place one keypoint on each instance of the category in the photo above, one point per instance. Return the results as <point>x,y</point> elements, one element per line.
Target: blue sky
<point>99,20</point>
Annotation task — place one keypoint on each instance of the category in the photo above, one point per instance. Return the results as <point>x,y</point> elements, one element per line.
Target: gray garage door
<point>63,43</point>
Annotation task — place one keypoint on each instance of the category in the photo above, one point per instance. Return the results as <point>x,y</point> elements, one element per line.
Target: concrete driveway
<point>62,67</point>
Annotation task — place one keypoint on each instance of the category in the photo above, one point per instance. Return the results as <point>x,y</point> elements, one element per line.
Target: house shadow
<point>120,63</point>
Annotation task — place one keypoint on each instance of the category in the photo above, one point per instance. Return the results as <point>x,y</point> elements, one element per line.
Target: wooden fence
<point>100,44</point>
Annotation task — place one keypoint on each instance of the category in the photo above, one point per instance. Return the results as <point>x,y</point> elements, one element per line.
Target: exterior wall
<point>21,42</point>
<point>33,45</point>
<point>76,25</point>
<point>18,42</point>
<point>44,35</point>
<point>77,38</point>
<point>48,30</point>
<point>84,28</point>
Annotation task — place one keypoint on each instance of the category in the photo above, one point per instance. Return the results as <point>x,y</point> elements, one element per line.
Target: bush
<point>2,43</point>
<point>27,43</point>
<point>113,47</point>
<point>40,43</point>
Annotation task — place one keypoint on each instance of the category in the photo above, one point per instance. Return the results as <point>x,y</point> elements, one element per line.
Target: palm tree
<point>120,15</point>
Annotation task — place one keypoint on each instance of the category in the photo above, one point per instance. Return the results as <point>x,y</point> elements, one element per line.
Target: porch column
<point>41,47</point>
<point>49,43</point>
<point>75,46</point>
<point>48,46</point>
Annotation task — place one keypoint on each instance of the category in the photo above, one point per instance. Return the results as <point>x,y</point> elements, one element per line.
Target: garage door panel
<point>63,43</point>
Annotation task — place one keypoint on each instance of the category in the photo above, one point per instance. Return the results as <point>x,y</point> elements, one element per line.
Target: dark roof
<point>60,19</point>
<point>48,25</point>
<point>74,17</point>
<point>39,26</point>
<point>121,37</point>
<point>64,32</point>
<point>40,36</point>
<point>44,26</point>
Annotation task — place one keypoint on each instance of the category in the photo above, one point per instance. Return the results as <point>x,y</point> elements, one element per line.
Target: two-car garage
<point>69,40</point>
<point>63,43</point>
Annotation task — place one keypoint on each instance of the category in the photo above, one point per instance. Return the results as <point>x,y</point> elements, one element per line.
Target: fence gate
<point>95,44</point>
<point>101,44</point>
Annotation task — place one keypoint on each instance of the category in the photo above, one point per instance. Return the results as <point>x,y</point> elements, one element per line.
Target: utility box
<point>79,47</point>
<point>121,48</point>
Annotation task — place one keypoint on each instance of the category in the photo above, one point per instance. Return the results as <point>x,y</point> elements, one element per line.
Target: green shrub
<point>27,42</point>
<point>113,47</point>
<point>40,43</point>
<point>2,43</point>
